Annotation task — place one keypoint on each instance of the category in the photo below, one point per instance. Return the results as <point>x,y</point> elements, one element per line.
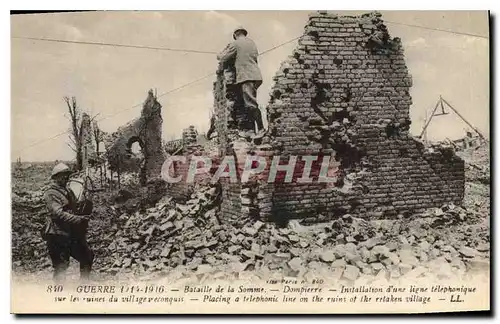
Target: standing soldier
<point>65,231</point>
<point>248,77</point>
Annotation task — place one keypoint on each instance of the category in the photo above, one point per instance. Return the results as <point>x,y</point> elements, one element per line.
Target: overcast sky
<point>110,80</point>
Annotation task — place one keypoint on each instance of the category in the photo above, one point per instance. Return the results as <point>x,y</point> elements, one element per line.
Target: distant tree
<point>98,135</point>
<point>76,130</point>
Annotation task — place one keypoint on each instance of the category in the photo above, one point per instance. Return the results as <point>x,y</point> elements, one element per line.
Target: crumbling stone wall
<point>173,146</point>
<point>344,92</point>
<point>88,148</point>
<point>190,147</point>
<point>147,131</point>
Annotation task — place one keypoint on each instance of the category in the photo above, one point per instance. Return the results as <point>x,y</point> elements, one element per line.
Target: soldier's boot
<point>86,262</point>
<point>85,272</point>
<point>60,268</point>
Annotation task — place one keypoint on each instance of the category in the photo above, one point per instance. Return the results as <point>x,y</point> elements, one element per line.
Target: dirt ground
<point>137,238</point>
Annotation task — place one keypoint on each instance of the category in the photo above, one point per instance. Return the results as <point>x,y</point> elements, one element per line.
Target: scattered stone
<point>393,257</point>
<point>380,250</point>
<point>295,226</point>
<point>417,272</point>
<point>468,252</point>
<point>434,253</point>
<point>340,263</point>
<point>423,257</point>
<point>404,268</point>
<point>365,254</point>
<point>167,227</point>
<point>406,256</point>
<point>350,247</point>
<point>295,252</point>
<point>370,243</point>
<point>258,225</point>
<point>350,273</point>
<point>272,248</point>
<point>166,251</point>
<point>212,244</point>
<point>367,270</point>
<point>327,256</point>
<point>295,264</point>
<point>361,264</point>
<point>352,257</point>
<point>248,254</point>
<point>339,251</point>
<point>251,231</point>
<point>425,246</point>
<point>446,248</point>
<point>483,247</point>
<point>448,257</point>
<point>382,276</point>
<point>477,263</point>
<point>394,272</point>
<point>377,266</point>
<point>255,248</point>
<point>457,263</point>
<point>350,239</point>
<point>392,246</point>
<point>315,265</point>
<point>445,271</point>
<point>203,268</point>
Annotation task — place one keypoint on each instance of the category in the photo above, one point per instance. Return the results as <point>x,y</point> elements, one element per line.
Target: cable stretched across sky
<point>160,95</point>
<point>193,51</point>
<point>146,47</point>
<point>436,29</point>
<point>115,45</point>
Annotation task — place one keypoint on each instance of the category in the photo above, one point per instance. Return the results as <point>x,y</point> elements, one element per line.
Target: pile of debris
<point>477,163</point>
<point>143,233</point>
<point>189,135</point>
<point>191,239</point>
<point>28,248</point>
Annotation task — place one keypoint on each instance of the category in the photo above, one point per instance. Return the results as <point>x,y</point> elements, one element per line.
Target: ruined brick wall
<point>345,91</point>
<point>147,131</point>
<point>190,147</point>
<point>173,146</point>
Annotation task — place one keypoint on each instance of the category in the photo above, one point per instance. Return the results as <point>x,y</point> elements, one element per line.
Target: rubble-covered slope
<point>189,239</point>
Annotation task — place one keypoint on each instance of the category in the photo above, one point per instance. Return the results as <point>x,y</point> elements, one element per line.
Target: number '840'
<point>54,288</point>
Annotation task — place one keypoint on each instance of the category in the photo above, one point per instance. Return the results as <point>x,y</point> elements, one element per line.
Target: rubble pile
<point>160,236</point>
<point>28,248</point>
<point>189,135</point>
<point>477,163</point>
<point>191,241</point>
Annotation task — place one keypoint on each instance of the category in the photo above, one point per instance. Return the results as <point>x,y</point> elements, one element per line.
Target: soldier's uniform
<point>65,231</point>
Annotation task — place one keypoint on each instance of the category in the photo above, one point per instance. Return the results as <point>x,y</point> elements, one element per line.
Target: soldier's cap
<point>240,28</point>
<point>60,169</point>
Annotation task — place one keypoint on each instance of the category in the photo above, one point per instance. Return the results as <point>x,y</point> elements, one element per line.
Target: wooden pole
<point>465,121</point>
<point>430,118</point>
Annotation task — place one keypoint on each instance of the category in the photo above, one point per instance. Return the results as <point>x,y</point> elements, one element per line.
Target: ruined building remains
<point>191,145</point>
<point>344,92</point>
<point>145,130</point>
<point>88,148</point>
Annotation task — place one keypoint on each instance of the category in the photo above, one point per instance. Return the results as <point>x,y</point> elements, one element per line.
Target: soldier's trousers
<point>61,248</point>
<point>249,94</point>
